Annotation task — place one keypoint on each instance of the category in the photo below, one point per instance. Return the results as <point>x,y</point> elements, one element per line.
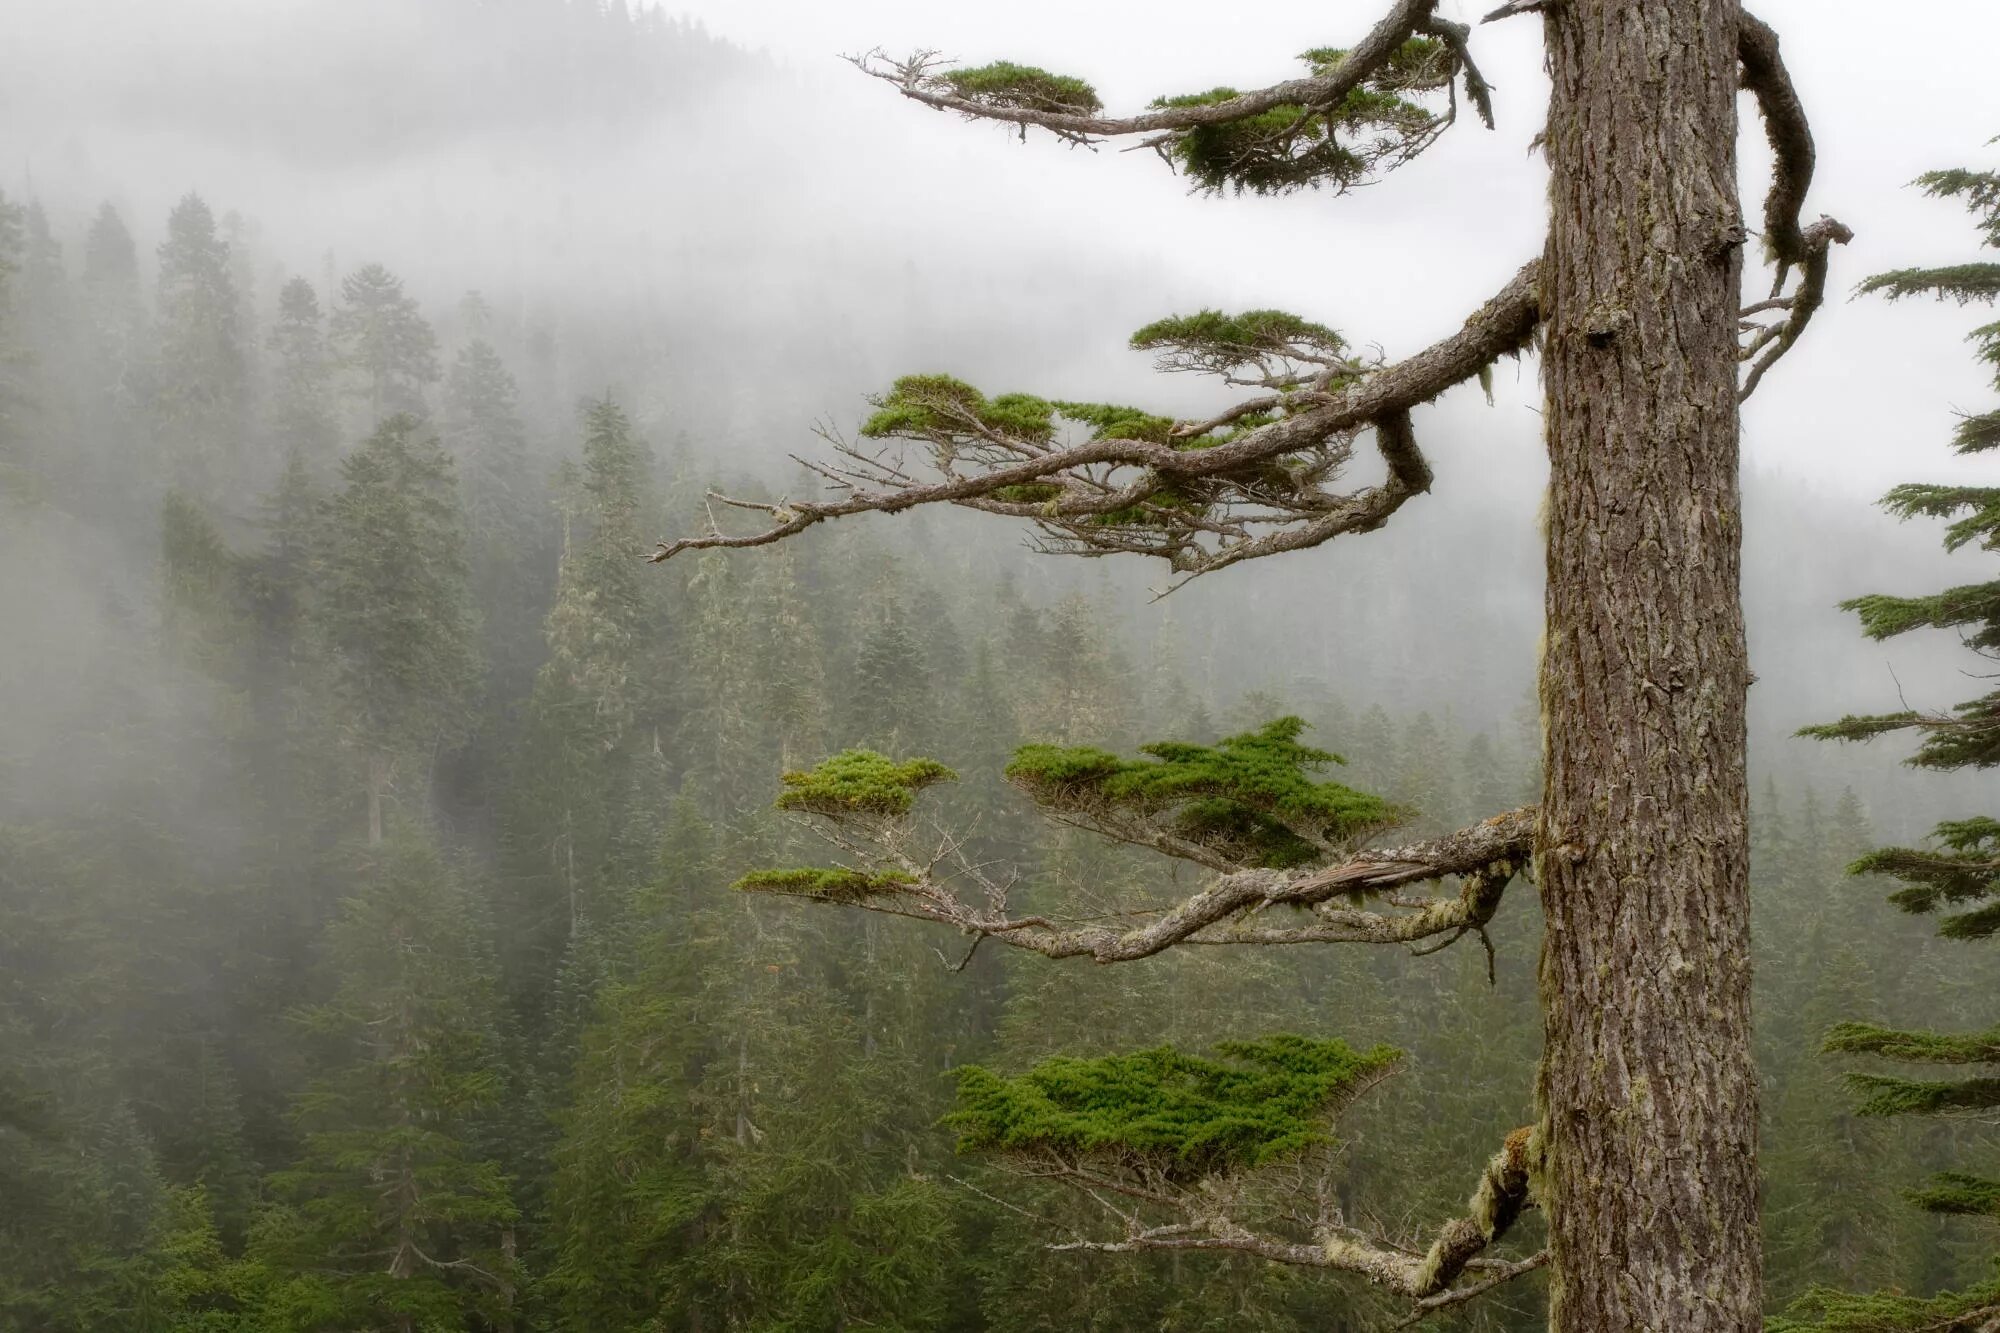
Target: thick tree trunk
<point>1648,1093</point>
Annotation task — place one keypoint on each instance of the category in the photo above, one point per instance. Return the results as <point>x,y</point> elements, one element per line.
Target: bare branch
<point>1499,1199</point>
<point>1777,339</point>
<point>1785,124</point>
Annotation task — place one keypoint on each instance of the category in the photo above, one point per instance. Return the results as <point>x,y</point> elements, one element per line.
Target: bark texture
<point>1648,1093</point>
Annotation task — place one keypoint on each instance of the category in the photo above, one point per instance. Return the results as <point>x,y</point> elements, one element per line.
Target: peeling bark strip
<point>1648,1094</point>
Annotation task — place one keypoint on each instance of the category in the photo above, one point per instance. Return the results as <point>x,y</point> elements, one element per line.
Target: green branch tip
<point>1180,1116</point>
<point>1251,797</point>
<point>1023,88</point>
<point>834,884</point>
<point>860,782</point>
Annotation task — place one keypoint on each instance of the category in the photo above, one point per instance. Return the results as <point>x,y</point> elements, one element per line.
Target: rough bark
<point>1648,1094</point>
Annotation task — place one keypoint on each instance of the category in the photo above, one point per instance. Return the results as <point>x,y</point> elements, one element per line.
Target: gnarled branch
<point>1077,485</point>
<point>1485,856</point>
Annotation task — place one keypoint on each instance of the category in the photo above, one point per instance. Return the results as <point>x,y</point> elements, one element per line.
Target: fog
<point>703,214</point>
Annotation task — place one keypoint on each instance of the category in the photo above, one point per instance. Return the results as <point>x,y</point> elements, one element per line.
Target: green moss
<point>1249,796</point>
<point>1023,87</point>
<point>860,782</point>
<point>1030,493</point>
<point>1180,1116</point>
<point>834,884</point>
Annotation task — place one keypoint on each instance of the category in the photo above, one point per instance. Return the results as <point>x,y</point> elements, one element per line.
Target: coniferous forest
<point>400,877</point>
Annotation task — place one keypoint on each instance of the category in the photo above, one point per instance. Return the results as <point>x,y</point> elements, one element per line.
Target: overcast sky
<point>886,226</point>
<point>1892,90</point>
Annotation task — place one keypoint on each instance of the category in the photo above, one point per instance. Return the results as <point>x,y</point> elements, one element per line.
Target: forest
<point>399,874</point>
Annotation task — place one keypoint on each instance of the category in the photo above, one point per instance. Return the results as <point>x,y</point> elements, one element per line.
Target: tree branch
<point>1486,855</point>
<point>913,79</point>
<point>1227,473</point>
<point>1500,1197</point>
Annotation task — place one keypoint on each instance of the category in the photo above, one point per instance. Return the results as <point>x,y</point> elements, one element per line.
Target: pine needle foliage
<point>1962,867</point>
<point>1023,87</point>
<point>1173,1115</point>
<point>835,884</point>
<point>860,782</point>
<point>1296,147</point>
<point>1253,796</point>
<point>1214,341</point>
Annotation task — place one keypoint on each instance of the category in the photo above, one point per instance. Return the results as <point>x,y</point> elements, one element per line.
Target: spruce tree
<point>1953,878</point>
<point>1637,310</point>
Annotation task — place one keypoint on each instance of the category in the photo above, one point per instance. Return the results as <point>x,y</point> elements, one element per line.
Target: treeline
<point>367,816</point>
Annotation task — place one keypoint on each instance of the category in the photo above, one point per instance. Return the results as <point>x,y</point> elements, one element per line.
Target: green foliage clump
<point>1922,1047</point>
<point>1251,796</point>
<point>1292,146</point>
<point>1826,1310</point>
<point>1887,1095</point>
<point>1226,341</point>
<point>1177,1115</point>
<point>832,884</point>
<point>1965,870</point>
<point>1955,1194</point>
<point>1109,421</point>
<point>1023,87</point>
<point>924,406</point>
<point>860,782</point>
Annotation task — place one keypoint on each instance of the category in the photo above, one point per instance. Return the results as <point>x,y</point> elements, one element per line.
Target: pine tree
<point>1954,877</point>
<point>394,610</point>
<point>381,338</point>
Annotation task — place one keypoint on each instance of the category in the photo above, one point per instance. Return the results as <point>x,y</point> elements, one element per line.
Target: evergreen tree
<point>202,377</point>
<point>381,338</point>
<point>302,406</point>
<point>394,608</point>
<point>1954,877</point>
<point>394,1217</point>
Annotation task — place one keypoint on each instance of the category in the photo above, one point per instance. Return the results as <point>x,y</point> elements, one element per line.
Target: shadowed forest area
<point>370,810</point>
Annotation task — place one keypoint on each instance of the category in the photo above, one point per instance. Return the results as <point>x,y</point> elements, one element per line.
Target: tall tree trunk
<point>1648,1093</point>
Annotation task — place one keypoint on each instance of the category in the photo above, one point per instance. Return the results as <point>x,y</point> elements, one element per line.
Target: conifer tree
<point>1954,877</point>
<point>381,338</point>
<point>393,1217</point>
<point>14,355</point>
<point>1636,306</point>
<point>394,610</point>
<point>302,393</point>
<point>202,377</point>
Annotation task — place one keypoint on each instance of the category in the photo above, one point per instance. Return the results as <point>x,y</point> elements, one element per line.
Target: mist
<point>653,254</point>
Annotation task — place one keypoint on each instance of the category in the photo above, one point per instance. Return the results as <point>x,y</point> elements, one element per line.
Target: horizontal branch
<point>1501,1196</point>
<point>1326,89</point>
<point>1381,399</point>
<point>1486,855</point>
